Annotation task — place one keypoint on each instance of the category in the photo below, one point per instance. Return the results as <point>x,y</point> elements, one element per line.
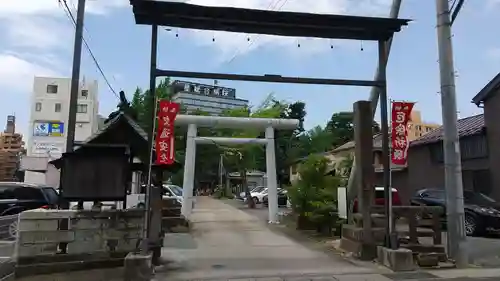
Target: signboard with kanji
<point>165,152</point>
<point>401,112</point>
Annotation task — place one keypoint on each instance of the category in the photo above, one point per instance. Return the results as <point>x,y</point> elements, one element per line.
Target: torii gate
<point>268,125</point>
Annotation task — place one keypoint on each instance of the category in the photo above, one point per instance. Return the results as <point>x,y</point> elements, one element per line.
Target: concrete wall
<point>95,239</point>
<point>491,115</point>
<point>89,231</point>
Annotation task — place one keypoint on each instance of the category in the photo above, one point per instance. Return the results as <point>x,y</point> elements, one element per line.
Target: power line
<point>238,51</point>
<point>456,10</point>
<point>69,14</point>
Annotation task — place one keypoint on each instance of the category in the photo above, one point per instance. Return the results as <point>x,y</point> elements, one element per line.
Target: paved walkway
<point>228,243</point>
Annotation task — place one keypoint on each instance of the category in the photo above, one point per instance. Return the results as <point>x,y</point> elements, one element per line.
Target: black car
<point>482,213</point>
<point>16,197</point>
<point>282,199</point>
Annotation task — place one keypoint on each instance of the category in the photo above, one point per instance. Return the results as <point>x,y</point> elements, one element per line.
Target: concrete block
<point>85,235</point>
<point>397,260</point>
<point>138,267</point>
<point>41,214</point>
<point>428,259</point>
<point>82,247</point>
<point>44,237</point>
<point>130,223</point>
<point>128,245</point>
<point>121,234</point>
<point>356,233</point>
<point>359,249</point>
<point>89,223</point>
<point>38,225</point>
<point>31,250</point>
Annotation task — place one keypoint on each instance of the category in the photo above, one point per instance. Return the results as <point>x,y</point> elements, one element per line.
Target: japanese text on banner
<point>165,152</point>
<point>401,112</point>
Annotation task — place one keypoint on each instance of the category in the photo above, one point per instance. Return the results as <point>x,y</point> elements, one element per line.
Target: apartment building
<point>49,112</point>
<point>417,127</point>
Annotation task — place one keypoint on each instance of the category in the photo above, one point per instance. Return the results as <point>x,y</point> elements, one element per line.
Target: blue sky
<point>37,39</point>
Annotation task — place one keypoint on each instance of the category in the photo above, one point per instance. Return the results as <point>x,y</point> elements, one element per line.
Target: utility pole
<point>451,145</point>
<point>75,77</point>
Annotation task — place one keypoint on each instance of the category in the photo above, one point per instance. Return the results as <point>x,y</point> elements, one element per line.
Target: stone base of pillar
<point>138,267</point>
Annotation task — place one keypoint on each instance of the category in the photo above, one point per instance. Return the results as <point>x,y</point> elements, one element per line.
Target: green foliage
<point>287,142</point>
<point>341,125</point>
<point>143,103</point>
<point>314,195</point>
<point>344,168</point>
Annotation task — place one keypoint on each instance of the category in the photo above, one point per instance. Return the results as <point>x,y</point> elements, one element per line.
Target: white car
<point>258,196</point>
<point>174,191</point>
<point>253,190</point>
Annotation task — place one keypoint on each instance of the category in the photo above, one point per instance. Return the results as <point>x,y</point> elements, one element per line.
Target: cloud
<point>231,45</point>
<point>34,28</point>
<point>16,73</point>
<point>37,32</point>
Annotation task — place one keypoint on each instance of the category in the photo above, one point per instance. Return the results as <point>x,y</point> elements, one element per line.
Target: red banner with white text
<point>401,112</point>
<point>165,153</point>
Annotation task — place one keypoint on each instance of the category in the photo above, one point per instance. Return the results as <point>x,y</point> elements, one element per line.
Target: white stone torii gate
<point>267,124</point>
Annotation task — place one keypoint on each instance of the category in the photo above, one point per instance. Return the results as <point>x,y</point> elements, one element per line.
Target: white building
<point>49,111</point>
<point>207,98</point>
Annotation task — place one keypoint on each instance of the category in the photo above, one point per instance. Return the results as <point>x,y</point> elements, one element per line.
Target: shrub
<point>314,196</point>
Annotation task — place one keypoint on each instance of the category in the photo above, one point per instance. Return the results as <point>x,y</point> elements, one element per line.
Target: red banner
<point>401,112</point>
<point>165,153</point>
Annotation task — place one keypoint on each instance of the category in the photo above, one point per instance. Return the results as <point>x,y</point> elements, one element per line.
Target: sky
<point>37,40</point>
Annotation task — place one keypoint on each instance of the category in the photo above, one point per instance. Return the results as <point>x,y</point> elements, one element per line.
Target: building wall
<point>491,117</point>
<point>50,106</point>
<point>424,172</point>
<point>417,127</point>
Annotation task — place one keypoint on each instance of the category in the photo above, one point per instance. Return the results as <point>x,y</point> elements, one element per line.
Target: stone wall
<point>95,239</point>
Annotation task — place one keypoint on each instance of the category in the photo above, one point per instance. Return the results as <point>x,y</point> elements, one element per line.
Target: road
<point>483,251</point>
<point>226,242</point>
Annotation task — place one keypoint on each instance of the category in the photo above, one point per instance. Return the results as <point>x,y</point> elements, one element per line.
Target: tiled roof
<point>377,144</point>
<point>113,121</point>
<point>466,127</point>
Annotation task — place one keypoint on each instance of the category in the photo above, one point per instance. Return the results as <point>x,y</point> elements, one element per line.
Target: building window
<point>85,93</point>
<point>58,107</point>
<point>81,108</point>
<point>52,89</point>
<point>38,106</point>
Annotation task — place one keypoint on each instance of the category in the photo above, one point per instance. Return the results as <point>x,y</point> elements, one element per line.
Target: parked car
<point>256,189</point>
<point>380,198</point>
<point>257,195</point>
<point>282,198</point>
<point>16,197</point>
<point>482,213</point>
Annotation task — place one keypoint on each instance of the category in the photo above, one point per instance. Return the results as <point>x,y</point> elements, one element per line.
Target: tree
<point>316,140</point>
<point>142,103</point>
<point>287,142</point>
<point>341,125</point>
<point>249,156</point>
<point>314,196</point>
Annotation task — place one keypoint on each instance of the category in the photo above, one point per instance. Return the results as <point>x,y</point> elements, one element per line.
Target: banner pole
<point>391,220</point>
